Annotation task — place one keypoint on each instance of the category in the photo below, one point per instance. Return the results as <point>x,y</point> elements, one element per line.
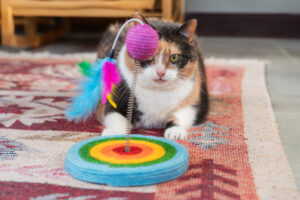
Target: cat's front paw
<point>176,133</point>
<point>109,131</point>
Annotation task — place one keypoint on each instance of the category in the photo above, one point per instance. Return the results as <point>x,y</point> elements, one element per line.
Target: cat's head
<point>175,60</point>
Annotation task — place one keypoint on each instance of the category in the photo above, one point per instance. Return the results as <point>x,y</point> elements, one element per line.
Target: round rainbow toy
<point>103,160</point>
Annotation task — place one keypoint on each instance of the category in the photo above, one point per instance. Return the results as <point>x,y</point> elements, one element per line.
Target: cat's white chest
<point>157,105</point>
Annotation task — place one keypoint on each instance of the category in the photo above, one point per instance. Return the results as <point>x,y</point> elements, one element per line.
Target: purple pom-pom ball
<point>141,42</point>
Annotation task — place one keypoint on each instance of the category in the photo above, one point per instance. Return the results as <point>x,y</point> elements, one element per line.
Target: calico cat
<point>171,88</point>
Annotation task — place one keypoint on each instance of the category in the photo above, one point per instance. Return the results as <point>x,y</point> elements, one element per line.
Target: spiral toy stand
<point>122,160</point>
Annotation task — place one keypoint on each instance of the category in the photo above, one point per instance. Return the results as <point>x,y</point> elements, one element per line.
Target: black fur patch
<point>121,96</point>
<point>170,124</point>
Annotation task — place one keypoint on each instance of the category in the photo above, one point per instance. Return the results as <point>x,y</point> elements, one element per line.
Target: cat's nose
<point>160,73</point>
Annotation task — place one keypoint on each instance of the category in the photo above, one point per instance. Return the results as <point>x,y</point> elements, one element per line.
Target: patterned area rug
<point>236,154</point>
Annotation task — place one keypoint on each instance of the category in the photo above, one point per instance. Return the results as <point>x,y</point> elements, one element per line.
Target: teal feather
<point>87,100</point>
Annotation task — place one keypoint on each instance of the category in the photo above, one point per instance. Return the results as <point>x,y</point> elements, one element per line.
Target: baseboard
<point>247,25</point>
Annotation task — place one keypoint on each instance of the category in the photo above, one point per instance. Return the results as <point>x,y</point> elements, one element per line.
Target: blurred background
<point>34,23</point>
<point>257,29</point>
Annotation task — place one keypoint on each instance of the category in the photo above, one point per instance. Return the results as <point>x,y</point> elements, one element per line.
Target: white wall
<point>243,6</point>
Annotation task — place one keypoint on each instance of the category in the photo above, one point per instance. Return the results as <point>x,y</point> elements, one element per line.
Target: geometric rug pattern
<point>235,154</point>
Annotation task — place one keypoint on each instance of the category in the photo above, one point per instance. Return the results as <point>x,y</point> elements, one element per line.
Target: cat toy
<point>119,160</point>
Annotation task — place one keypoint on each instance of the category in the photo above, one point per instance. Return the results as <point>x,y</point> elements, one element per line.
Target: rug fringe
<point>93,56</point>
<point>45,54</point>
<point>236,62</point>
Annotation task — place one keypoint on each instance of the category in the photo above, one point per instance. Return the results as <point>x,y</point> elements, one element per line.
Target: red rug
<point>236,154</point>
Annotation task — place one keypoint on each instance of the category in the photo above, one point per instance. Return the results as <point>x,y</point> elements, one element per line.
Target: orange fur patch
<point>129,61</point>
<point>171,119</point>
<point>194,96</point>
<point>189,70</point>
<point>167,49</point>
<point>100,112</point>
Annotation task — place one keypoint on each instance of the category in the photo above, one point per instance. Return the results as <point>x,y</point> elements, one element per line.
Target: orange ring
<point>96,152</point>
<point>108,151</point>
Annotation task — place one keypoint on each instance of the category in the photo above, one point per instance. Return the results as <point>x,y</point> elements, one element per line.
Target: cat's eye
<point>173,58</point>
<point>147,62</point>
<point>151,59</point>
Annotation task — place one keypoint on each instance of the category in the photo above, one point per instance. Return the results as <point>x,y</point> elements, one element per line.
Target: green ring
<point>84,152</point>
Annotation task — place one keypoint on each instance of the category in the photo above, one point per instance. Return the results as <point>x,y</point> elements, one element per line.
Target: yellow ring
<point>158,152</point>
<point>108,151</point>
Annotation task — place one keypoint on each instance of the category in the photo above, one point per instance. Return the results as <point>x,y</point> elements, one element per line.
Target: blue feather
<point>87,100</point>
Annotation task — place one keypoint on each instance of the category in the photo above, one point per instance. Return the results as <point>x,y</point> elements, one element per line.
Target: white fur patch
<point>157,105</point>
<point>186,116</point>
<point>126,73</point>
<point>115,124</point>
<point>176,133</point>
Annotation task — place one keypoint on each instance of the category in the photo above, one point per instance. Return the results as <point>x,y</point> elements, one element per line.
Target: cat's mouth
<point>159,81</point>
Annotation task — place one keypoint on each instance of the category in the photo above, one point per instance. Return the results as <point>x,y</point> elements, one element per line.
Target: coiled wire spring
<point>131,105</point>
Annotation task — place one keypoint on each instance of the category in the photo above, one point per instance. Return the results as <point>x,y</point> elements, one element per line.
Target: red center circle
<point>133,150</point>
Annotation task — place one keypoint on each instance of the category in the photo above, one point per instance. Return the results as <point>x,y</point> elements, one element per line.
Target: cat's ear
<point>188,29</point>
<point>140,17</point>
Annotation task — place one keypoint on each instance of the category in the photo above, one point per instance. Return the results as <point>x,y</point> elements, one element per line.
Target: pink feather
<point>110,76</point>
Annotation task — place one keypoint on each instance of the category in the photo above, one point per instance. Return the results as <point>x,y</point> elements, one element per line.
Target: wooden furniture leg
<point>8,25</point>
<point>31,38</point>
<point>167,9</point>
<point>180,10</point>
<point>30,26</point>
